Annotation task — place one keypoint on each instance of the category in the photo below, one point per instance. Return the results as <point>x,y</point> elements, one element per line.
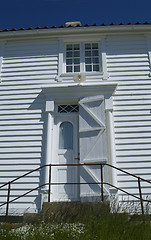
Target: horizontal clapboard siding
<point>30,60</point>
<point>26,67</point>
<point>29,65</point>
<point>128,63</point>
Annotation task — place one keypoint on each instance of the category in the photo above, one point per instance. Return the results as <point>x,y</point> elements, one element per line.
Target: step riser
<point>70,211</point>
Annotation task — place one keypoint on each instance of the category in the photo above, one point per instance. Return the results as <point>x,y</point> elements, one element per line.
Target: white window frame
<point>63,75</point>
<point>82,57</point>
<point>99,57</point>
<point>65,57</point>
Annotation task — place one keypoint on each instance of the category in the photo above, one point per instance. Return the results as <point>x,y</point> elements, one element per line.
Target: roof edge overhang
<point>60,32</point>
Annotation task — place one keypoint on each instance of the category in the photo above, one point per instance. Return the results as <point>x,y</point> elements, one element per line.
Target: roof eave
<point>115,29</point>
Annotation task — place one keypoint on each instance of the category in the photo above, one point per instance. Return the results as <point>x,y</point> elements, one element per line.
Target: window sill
<point>88,76</point>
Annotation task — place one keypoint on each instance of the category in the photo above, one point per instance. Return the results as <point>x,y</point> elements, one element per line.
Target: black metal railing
<point>102,183</point>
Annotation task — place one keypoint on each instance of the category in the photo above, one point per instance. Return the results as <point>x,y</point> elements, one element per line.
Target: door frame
<point>72,93</point>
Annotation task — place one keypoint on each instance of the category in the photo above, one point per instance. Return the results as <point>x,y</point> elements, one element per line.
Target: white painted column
<point>60,62</point>
<point>111,138</point>
<point>49,135</point>
<point>104,62</point>
<point>148,40</point>
<point>112,146</point>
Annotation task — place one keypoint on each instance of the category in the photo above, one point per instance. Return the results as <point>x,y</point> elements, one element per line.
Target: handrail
<point>81,164</point>
<point>130,174</point>
<point>94,164</point>
<point>60,183</point>
<point>24,175</point>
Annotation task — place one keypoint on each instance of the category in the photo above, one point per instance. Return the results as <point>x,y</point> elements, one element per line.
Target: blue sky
<point>33,13</point>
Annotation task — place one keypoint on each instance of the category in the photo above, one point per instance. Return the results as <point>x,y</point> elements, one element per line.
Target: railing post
<point>140,194</point>
<point>49,183</point>
<point>8,196</point>
<point>102,195</point>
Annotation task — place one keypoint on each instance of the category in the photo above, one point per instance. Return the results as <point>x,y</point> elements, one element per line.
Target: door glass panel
<point>66,136</point>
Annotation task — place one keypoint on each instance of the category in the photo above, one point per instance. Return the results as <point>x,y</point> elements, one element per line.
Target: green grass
<point>110,227</point>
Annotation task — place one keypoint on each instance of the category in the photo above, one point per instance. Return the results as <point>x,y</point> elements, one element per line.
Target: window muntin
<point>82,57</point>
<point>66,135</point>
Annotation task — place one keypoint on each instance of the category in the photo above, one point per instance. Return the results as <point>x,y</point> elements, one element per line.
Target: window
<point>73,58</point>
<point>82,57</point>
<point>66,136</point>
<point>92,57</point>
<point>68,108</point>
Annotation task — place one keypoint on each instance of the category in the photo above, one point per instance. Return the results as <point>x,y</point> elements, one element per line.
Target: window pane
<point>87,60</point>
<point>95,53</point>
<point>88,68</point>
<point>66,136</point>
<point>94,45</point>
<point>69,54</point>
<point>69,47</point>
<point>76,46</point>
<point>69,61</point>
<point>96,68</point>
<point>87,53</point>
<point>75,108</point>
<point>69,69</point>
<point>77,61</point>
<point>77,54</point>
<point>95,60</point>
<point>87,46</point>
<point>76,68</point>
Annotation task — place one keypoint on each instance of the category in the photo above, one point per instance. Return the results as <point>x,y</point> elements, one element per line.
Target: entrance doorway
<point>87,122</point>
<point>65,152</point>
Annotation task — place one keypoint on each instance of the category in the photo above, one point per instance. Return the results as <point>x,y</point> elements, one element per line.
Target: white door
<point>66,152</point>
<point>93,148</point>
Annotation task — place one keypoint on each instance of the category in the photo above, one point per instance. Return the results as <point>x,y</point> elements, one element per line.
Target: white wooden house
<point>74,94</point>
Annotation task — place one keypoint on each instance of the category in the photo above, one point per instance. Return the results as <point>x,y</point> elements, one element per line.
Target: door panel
<point>92,130</point>
<point>66,150</point>
<point>93,148</point>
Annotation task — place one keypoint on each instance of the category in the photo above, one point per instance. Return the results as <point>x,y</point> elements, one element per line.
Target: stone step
<point>73,211</point>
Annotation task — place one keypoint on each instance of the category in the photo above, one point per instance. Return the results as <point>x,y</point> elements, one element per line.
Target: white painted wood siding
<point>26,67</point>
<point>30,64</point>
<point>128,63</point>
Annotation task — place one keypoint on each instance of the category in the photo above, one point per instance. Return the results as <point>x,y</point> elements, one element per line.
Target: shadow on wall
<point>40,120</point>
